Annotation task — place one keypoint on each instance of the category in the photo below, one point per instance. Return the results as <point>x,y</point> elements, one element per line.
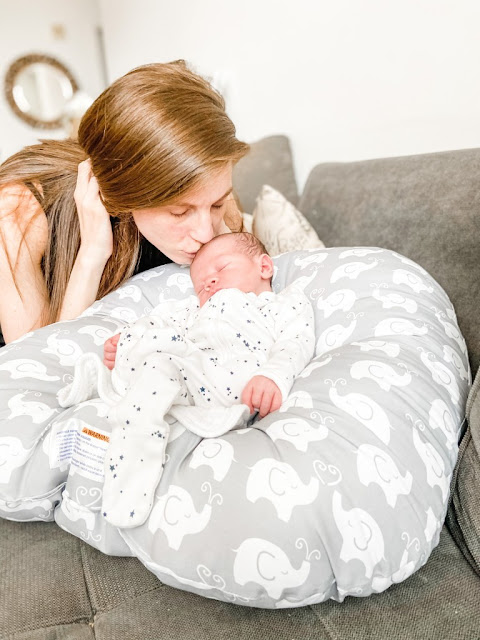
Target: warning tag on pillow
<point>76,445</point>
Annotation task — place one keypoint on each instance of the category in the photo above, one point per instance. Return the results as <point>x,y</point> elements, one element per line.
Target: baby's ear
<point>266,265</point>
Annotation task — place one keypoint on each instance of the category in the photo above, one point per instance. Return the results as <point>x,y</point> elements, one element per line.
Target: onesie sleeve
<point>294,340</point>
<point>139,338</point>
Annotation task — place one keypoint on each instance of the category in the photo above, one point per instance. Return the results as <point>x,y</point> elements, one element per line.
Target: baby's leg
<point>135,457</point>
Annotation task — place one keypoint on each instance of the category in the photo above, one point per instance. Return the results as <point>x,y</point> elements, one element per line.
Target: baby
<point>207,361</point>
<point>237,261</point>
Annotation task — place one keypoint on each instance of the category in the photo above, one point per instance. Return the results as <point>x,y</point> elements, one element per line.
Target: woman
<point>149,182</point>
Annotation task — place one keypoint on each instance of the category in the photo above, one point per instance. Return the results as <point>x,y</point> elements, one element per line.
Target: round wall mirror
<point>38,88</point>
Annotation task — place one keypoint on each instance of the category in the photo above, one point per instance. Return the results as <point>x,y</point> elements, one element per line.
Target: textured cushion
<point>268,162</point>
<point>125,601</point>
<point>342,492</point>
<point>426,207</point>
<point>280,225</point>
<point>464,513</point>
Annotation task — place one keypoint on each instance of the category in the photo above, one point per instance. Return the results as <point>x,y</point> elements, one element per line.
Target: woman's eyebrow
<point>224,195</point>
<point>187,204</point>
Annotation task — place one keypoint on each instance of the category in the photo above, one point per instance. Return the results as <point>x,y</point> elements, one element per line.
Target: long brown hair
<point>153,135</point>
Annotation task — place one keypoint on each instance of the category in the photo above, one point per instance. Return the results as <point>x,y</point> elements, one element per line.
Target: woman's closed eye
<point>179,214</point>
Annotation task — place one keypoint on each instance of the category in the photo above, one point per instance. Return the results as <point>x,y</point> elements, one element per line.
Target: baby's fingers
<point>265,403</point>
<point>109,361</point>
<point>247,397</point>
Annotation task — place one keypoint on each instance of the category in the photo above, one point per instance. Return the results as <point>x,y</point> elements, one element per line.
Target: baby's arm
<point>171,313</point>
<point>295,340</point>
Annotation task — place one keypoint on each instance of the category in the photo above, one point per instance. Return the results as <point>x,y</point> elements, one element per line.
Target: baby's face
<point>222,265</point>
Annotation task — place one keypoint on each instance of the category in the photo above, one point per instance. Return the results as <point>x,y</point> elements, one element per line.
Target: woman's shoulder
<point>22,221</point>
<point>21,199</point>
<point>149,257</point>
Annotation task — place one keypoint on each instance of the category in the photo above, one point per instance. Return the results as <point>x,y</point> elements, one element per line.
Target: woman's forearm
<point>21,313</point>
<point>82,287</point>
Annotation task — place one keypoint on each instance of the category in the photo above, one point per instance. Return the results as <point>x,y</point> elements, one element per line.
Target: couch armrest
<point>426,207</point>
<point>463,517</point>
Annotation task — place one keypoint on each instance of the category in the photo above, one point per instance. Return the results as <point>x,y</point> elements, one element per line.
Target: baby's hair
<point>246,242</point>
<point>251,245</point>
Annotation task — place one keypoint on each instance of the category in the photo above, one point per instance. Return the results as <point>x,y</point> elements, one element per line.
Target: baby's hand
<point>263,394</point>
<point>110,351</point>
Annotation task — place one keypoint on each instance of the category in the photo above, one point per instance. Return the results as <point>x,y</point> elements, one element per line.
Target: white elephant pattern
<point>342,492</point>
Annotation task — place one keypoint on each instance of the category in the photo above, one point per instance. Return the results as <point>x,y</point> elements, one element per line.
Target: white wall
<point>346,79</point>
<point>26,27</point>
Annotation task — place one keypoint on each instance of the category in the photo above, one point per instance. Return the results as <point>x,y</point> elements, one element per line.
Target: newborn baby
<point>207,361</point>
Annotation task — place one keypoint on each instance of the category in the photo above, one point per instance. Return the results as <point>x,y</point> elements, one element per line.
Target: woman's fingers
<point>87,193</point>
<point>83,177</point>
<point>95,226</point>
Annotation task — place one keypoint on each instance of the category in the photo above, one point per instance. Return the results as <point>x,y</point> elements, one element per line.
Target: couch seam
<point>327,628</point>
<point>100,612</point>
<point>87,589</point>
<point>16,634</point>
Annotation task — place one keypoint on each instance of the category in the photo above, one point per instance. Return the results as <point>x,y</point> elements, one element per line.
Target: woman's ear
<point>266,266</point>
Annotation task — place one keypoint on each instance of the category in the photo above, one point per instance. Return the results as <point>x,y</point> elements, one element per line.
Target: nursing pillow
<point>343,491</point>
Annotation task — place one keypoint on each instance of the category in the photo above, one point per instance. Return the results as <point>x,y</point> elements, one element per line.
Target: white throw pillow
<point>279,225</point>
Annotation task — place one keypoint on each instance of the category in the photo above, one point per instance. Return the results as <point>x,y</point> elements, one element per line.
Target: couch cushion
<point>268,162</point>
<point>464,512</point>
<point>427,207</point>
<point>41,580</point>
<point>346,486</point>
<point>439,602</point>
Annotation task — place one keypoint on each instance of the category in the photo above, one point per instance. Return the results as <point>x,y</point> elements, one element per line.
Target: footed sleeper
<point>190,363</point>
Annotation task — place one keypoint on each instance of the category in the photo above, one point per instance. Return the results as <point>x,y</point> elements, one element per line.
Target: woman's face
<point>179,229</point>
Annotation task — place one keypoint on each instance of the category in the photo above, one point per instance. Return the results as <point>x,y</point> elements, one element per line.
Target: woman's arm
<point>95,249</point>
<point>23,238</point>
<point>82,286</point>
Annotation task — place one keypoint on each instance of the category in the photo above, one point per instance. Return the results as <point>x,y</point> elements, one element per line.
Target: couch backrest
<point>269,161</point>
<point>426,207</point>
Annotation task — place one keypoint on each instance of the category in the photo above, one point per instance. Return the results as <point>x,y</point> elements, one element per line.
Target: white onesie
<point>193,364</point>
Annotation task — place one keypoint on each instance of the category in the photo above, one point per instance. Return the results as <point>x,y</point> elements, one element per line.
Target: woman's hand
<point>95,227</point>
<point>263,394</point>
<point>110,351</point>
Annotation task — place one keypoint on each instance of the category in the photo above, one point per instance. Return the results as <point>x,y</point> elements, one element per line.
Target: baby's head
<point>231,260</point>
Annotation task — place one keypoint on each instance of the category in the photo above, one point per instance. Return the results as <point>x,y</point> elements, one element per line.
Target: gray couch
<point>54,586</point>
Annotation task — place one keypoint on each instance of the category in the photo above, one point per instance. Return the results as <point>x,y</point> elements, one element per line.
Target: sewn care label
<point>82,448</point>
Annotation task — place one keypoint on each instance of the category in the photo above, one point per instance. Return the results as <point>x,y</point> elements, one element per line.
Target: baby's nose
<point>210,282</point>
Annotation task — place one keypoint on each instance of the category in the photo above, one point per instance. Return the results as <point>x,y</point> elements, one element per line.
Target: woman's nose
<point>203,229</point>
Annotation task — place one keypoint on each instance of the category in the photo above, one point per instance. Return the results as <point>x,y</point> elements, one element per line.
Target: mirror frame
<point>19,65</point>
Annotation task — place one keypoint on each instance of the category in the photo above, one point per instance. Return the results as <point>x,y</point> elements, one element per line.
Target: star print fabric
<point>193,364</point>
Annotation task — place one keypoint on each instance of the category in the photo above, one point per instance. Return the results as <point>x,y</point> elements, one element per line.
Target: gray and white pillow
<point>341,492</point>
